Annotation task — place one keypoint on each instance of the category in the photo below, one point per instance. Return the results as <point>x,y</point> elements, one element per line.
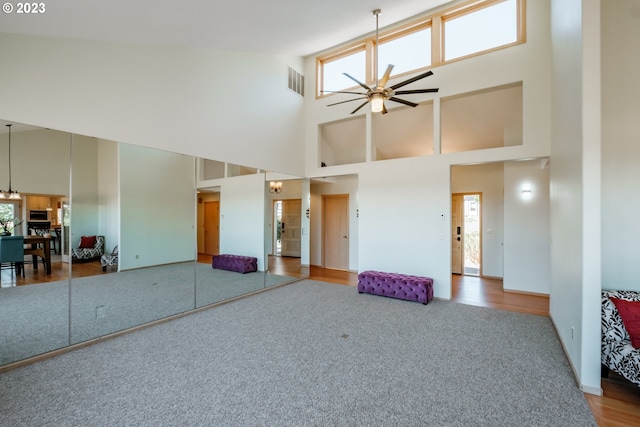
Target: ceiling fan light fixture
<point>377,103</point>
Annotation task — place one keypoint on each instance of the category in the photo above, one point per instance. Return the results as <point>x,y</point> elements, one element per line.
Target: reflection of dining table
<point>39,246</point>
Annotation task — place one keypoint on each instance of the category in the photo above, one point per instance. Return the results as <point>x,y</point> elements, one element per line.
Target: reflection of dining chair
<point>44,232</point>
<point>107,260</point>
<point>12,253</point>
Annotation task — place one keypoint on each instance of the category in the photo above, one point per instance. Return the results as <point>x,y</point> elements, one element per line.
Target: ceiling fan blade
<point>342,91</point>
<point>411,80</point>
<point>402,101</point>
<point>349,100</point>
<point>359,82</point>
<point>365,103</point>
<point>385,77</point>
<point>408,92</point>
<point>384,109</point>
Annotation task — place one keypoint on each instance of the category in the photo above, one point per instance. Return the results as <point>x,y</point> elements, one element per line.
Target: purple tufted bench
<point>238,263</point>
<point>401,286</point>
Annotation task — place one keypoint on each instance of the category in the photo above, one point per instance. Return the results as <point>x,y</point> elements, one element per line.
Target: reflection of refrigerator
<point>66,223</point>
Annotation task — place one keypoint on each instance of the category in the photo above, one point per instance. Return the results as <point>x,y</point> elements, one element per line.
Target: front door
<point>457,204</point>
<point>212,228</point>
<point>335,223</point>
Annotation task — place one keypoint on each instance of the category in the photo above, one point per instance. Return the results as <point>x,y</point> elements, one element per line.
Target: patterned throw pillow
<point>630,314</point>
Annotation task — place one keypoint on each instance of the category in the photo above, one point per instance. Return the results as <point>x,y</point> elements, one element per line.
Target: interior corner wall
<point>200,102</point>
<point>488,180</point>
<point>620,148</point>
<point>242,216</point>
<point>157,210</point>
<point>526,228</point>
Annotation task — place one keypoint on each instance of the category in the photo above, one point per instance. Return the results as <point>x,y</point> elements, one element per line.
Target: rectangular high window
<point>406,53</point>
<point>471,28</point>
<point>481,29</point>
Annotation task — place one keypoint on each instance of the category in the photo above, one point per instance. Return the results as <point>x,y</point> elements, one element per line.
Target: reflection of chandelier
<point>10,194</point>
<point>275,187</point>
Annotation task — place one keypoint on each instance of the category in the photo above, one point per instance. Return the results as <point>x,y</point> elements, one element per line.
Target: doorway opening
<point>466,236</point>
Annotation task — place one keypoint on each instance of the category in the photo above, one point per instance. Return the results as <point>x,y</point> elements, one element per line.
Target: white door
<point>290,227</point>
<point>456,233</point>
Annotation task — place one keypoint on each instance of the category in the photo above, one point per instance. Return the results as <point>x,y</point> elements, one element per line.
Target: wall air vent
<point>296,82</point>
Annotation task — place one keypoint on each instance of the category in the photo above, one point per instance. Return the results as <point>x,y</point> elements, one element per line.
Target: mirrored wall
<point>116,236</point>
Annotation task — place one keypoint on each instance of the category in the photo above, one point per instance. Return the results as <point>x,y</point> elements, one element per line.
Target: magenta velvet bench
<point>238,263</point>
<point>394,285</point>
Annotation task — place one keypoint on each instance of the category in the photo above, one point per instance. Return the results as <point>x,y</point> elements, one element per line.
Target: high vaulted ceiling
<point>295,27</point>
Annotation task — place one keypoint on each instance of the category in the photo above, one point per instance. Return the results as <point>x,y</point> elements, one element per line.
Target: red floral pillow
<point>630,314</point>
<point>87,242</point>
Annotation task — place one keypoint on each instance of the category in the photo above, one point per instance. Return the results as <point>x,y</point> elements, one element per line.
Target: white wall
<point>208,103</point>
<point>620,147</point>
<point>242,214</point>
<point>486,179</point>
<point>405,222</point>
<point>575,185</point>
<point>157,209</point>
<point>526,228</point>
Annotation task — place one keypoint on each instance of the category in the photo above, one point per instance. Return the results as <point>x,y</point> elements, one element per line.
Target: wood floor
<point>619,405</point>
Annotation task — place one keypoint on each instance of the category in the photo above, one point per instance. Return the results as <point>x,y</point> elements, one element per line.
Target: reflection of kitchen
<point>43,214</point>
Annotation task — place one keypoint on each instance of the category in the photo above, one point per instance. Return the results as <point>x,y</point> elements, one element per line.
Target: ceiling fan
<point>378,94</point>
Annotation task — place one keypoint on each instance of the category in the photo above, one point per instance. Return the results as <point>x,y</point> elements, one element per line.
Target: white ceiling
<point>296,27</point>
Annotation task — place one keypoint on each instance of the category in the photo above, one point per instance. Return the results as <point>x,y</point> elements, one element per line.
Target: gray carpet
<point>310,353</point>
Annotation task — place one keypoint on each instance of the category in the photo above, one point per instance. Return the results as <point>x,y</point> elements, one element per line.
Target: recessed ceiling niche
<point>343,142</point>
<point>489,118</point>
<point>403,132</point>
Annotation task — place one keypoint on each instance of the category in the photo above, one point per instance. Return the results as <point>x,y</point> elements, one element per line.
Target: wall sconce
<point>275,187</point>
<point>526,191</point>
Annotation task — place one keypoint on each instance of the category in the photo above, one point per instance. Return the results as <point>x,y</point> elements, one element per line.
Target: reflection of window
<point>481,29</point>
<point>488,118</point>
